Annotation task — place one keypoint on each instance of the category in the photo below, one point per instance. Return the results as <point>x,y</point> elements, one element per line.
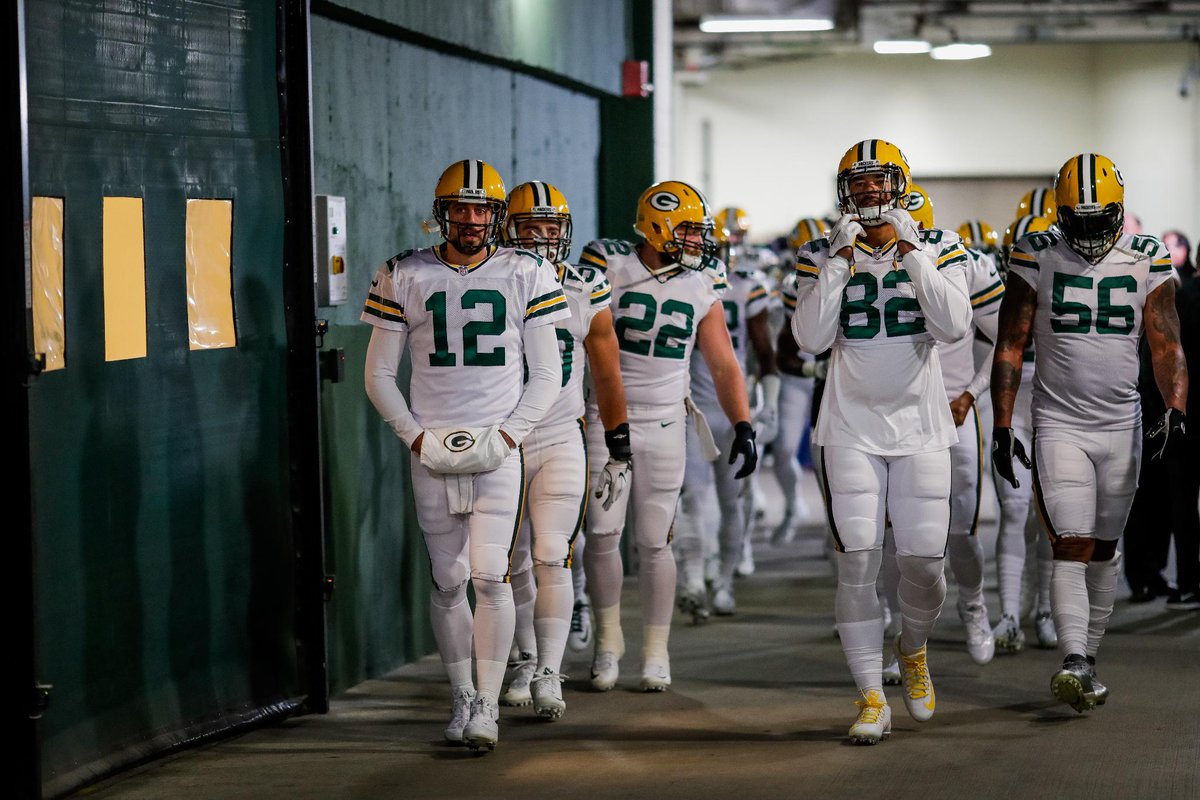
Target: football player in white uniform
<point>469,314</point>
<point>795,393</point>
<point>880,292</point>
<point>1086,295</point>
<point>556,459</point>
<point>665,302</point>
<point>965,383</point>
<point>1020,528</point>
<point>746,303</point>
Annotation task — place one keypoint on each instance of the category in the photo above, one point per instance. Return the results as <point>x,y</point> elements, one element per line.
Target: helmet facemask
<point>490,230</point>
<point>691,244</point>
<point>893,187</point>
<point>1091,231</point>
<point>556,249</point>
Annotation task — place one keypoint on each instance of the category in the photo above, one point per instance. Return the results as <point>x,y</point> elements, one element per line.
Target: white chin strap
<point>689,260</point>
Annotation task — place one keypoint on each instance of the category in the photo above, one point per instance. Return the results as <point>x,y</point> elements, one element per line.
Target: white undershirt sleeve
<point>383,360</point>
<point>545,381</point>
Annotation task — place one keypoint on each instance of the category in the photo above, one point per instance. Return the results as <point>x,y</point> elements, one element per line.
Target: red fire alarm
<point>635,79</point>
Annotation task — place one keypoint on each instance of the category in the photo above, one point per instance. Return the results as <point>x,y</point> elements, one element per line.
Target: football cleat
<point>874,719</point>
<point>919,698</point>
<point>580,637</point>
<point>483,729</point>
<point>981,644</point>
<point>1047,636</point>
<point>656,677</point>
<point>1008,635</point>
<point>1100,690</point>
<point>891,673</point>
<point>694,604</point>
<point>518,688</point>
<point>785,533</point>
<point>745,567</point>
<point>605,670</point>
<point>1073,684</point>
<point>547,694</point>
<point>460,714</point>
<point>723,603</point>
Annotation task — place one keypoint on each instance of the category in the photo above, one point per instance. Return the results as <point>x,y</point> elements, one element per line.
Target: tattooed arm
<point>1162,334</point>
<point>1017,310</point>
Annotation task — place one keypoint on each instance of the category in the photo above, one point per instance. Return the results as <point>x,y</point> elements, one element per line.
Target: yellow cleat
<point>918,686</point>
<point>874,719</point>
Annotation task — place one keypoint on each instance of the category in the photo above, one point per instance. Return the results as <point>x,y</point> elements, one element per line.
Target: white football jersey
<point>465,328</point>
<point>655,316</point>
<point>746,297</point>
<point>986,290</point>
<point>588,293</point>
<point>884,393</point>
<point>1087,327</point>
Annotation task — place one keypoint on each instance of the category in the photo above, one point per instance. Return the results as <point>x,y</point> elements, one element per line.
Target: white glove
<point>463,450</point>
<point>844,232</point>
<point>904,225</point>
<point>821,369</point>
<point>612,482</point>
<point>766,424</point>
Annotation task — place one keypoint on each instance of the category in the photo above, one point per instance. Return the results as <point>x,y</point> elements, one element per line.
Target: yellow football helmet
<point>470,181</point>
<point>539,200</point>
<point>734,220</point>
<point>1090,193</point>
<point>1039,203</point>
<point>806,230</point>
<point>873,156</point>
<point>674,218</point>
<point>1017,231</point>
<point>917,203</point>
<point>978,234</point>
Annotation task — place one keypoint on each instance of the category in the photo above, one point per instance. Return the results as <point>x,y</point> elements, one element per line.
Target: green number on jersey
<point>1107,312</point>
<point>908,305</point>
<point>567,352</point>
<point>731,320</point>
<point>663,347</point>
<point>472,298</point>
<point>615,247</point>
<point>1145,244</point>
<point>868,329</point>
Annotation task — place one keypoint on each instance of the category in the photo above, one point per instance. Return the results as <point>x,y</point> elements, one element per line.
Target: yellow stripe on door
<point>124,279</point>
<point>49,326</point>
<point>209,277</point>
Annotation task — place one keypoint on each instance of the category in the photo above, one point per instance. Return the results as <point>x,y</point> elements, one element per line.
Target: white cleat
<point>891,673</point>
<point>605,670</point>
<point>580,637</point>
<point>723,603</point>
<point>745,567</point>
<point>656,677</point>
<point>919,698</point>
<point>874,719</point>
<point>1047,635</point>
<point>483,729</point>
<point>693,603</point>
<point>547,694</point>
<point>981,644</point>
<point>1008,635</point>
<point>460,714</point>
<point>518,688</point>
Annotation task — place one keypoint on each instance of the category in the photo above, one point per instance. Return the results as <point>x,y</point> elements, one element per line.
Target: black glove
<point>743,444</point>
<point>1165,440</point>
<point>1004,447</point>
<point>617,441</point>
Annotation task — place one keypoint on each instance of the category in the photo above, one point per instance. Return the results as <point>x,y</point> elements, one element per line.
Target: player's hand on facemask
<point>843,234</point>
<point>904,225</point>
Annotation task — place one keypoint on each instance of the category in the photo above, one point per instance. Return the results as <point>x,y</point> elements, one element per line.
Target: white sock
<point>1101,579</point>
<point>966,559</point>
<point>1070,606</point>
<point>578,575</point>
<point>1045,566</point>
<point>654,644</point>
<point>656,584</point>
<point>609,636</point>
<point>602,558</point>
<point>1010,556</point>
<point>450,617</point>
<point>859,619</point>
<point>495,619</point>
<point>459,673</point>
<point>552,617</point>
<point>525,592</point>
<point>922,591</point>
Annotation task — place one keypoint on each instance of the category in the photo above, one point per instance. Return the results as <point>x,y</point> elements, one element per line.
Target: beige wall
<point>779,131</point>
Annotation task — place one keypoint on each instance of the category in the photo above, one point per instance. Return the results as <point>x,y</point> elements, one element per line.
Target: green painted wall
<point>160,492</point>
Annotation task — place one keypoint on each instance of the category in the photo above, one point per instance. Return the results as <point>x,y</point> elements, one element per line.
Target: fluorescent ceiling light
<point>894,46</point>
<point>764,24</point>
<point>960,52</point>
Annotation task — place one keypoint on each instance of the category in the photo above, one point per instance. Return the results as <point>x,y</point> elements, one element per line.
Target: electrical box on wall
<point>331,250</point>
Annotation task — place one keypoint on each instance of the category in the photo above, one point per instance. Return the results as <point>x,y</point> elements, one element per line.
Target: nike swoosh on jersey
<point>665,424</point>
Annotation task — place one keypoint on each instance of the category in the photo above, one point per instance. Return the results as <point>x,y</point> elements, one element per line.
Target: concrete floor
<point>759,708</point>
